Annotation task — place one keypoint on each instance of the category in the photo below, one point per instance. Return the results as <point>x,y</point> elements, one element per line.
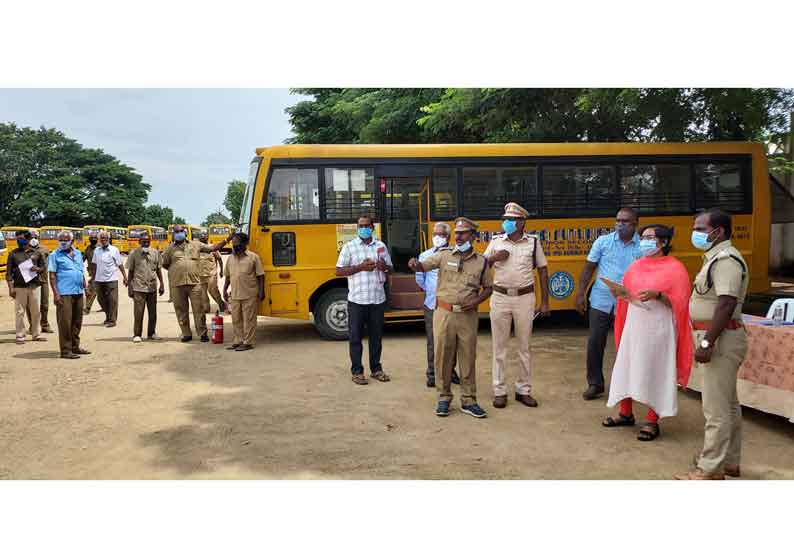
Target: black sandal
<point>648,432</point>
<point>621,421</point>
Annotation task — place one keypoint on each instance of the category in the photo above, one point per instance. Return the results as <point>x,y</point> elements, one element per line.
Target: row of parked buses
<point>124,239</point>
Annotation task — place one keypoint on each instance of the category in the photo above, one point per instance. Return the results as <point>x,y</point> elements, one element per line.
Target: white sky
<point>186,143</point>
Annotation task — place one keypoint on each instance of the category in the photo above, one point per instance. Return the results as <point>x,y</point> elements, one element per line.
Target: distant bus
<point>157,235</point>
<point>220,232</point>
<point>302,202</point>
<point>195,232</point>
<point>118,235</point>
<point>48,237</point>
<point>3,256</point>
<point>191,231</point>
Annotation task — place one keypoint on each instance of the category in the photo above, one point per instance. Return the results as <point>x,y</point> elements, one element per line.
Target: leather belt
<point>705,325</point>
<point>447,307</point>
<point>514,292</point>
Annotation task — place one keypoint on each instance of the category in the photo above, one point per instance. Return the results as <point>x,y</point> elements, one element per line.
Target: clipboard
<point>621,291</point>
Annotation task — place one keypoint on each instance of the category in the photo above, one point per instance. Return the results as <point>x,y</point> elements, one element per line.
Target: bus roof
<point>506,149</point>
<point>15,228</point>
<point>144,226</point>
<point>219,225</point>
<point>60,228</point>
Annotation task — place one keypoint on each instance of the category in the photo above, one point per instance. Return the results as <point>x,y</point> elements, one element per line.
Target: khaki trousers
<point>722,441</point>
<point>455,334</point>
<point>27,302</point>
<point>90,294</point>
<point>186,297</point>
<point>108,294</point>
<point>520,311</point>
<point>70,321</point>
<point>144,301</point>
<point>244,313</point>
<point>209,287</point>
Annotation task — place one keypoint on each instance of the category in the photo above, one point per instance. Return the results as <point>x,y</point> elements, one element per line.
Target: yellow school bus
<point>157,235</point>
<point>191,232</point>
<point>302,202</point>
<point>118,235</point>
<point>8,242</point>
<point>48,237</point>
<point>4,249</point>
<point>220,232</point>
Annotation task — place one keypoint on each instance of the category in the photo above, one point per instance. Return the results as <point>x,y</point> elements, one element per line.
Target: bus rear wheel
<point>330,315</point>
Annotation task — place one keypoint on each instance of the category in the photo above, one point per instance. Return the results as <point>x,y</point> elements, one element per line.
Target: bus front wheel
<point>330,314</point>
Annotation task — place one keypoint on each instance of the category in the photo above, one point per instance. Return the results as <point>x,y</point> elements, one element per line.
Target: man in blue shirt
<point>611,254</point>
<point>428,282</point>
<point>67,280</point>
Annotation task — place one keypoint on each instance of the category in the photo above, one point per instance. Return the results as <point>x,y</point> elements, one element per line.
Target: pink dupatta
<point>667,275</point>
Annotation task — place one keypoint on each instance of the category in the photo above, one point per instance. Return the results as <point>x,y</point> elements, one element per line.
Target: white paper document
<point>25,268</point>
<point>618,290</point>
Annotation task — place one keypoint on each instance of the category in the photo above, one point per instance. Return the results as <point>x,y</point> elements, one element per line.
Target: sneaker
<point>136,339</point>
<point>154,338</point>
<point>47,330</point>
<point>187,338</point>
<point>20,341</point>
<point>473,410</point>
<point>442,409</point>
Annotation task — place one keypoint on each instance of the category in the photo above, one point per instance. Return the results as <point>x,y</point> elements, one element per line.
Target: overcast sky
<point>186,143</point>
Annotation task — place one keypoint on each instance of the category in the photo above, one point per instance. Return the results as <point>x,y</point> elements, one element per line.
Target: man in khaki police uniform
<point>143,270</point>
<point>181,259</point>
<point>246,276</point>
<point>721,343</point>
<point>208,274</point>
<point>514,256</point>
<point>90,291</point>
<point>44,307</point>
<point>464,281</point>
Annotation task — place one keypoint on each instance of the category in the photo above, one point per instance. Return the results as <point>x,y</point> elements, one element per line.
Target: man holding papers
<point>24,265</point>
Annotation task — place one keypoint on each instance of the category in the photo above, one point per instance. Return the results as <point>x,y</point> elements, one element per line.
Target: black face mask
<point>238,248</point>
<point>92,241</point>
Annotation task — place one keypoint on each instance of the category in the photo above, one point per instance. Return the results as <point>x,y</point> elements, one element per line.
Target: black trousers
<point>359,317</point>
<point>600,323</point>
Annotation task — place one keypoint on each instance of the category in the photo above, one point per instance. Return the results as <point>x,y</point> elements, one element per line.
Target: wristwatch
<point>705,344</point>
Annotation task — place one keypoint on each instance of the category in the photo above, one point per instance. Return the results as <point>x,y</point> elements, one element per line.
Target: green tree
<point>179,220</point>
<point>235,192</point>
<point>157,215</point>
<point>216,218</point>
<point>48,179</point>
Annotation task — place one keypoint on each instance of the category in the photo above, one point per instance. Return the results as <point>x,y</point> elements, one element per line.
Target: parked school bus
<point>118,235</point>
<point>218,233</point>
<point>158,239</point>
<point>3,256</point>
<point>9,243</point>
<point>191,232</point>
<point>302,202</point>
<point>48,237</point>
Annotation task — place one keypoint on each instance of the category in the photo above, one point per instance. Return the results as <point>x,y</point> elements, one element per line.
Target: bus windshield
<point>219,230</point>
<point>135,233</point>
<point>245,211</point>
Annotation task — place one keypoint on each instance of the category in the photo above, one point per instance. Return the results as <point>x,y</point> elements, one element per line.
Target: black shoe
<point>233,346</point>
<point>69,355</point>
<point>592,392</point>
<point>431,381</point>
<point>187,338</point>
<point>205,339</point>
<point>455,378</point>
<point>243,348</point>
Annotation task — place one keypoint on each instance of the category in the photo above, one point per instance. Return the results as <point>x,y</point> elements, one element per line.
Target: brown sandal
<point>649,432</point>
<point>360,379</point>
<point>380,376</point>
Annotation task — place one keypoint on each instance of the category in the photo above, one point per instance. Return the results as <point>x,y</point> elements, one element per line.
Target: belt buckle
<point>512,292</point>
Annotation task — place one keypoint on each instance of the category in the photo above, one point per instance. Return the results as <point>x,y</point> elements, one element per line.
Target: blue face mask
<point>464,247</point>
<point>65,245</point>
<point>623,229</point>
<point>179,236</point>
<point>365,233</point>
<point>509,227</point>
<point>700,240</point>
<point>648,247</point>
<point>22,242</point>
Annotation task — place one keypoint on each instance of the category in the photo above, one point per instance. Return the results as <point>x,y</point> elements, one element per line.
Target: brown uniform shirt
<point>727,277</point>
<point>44,254</point>
<point>143,268</point>
<point>459,281</point>
<point>517,271</point>
<point>206,264</point>
<point>89,254</point>
<point>18,256</point>
<point>183,263</point>
<point>242,272</point>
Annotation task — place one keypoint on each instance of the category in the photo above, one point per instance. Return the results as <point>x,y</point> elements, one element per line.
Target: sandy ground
<point>289,410</point>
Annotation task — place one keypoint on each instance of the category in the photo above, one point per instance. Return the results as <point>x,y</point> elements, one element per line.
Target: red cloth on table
<point>667,275</point>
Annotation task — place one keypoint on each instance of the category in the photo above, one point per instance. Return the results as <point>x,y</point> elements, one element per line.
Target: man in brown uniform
<point>208,274</point>
<point>26,293</point>
<point>514,256</point>
<point>44,307</point>
<point>245,274</point>
<point>181,259</point>
<point>721,343</point>
<point>143,267</point>
<point>90,290</point>
<point>464,281</point>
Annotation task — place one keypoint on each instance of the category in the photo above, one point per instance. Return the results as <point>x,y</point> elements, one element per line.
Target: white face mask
<point>34,242</point>
<point>439,241</point>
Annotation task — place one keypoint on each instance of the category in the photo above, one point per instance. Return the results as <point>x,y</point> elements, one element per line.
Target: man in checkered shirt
<point>365,262</point>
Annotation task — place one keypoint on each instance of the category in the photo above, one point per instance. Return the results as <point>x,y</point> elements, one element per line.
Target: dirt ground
<point>289,410</point>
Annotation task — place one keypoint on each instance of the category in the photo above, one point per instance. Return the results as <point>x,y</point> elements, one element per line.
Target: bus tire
<point>330,315</point>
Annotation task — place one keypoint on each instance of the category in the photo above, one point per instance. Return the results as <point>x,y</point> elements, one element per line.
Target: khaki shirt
<point>19,256</point>
<point>88,255</point>
<point>457,287</point>
<point>517,270</point>
<point>242,272</point>
<point>143,267</point>
<point>182,261</point>
<point>44,254</point>
<point>726,274</point>
<point>206,264</point>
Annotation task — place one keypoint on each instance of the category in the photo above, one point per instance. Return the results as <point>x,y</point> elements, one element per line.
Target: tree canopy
<point>47,178</point>
<point>157,215</point>
<point>494,115</point>
<point>216,218</point>
<point>235,192</point>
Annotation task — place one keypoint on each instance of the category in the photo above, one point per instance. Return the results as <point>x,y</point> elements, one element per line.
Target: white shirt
<point>107,261</point>
<point>365,287</point>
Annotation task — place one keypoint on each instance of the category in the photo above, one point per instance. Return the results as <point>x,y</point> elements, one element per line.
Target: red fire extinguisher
<point>217,328</point>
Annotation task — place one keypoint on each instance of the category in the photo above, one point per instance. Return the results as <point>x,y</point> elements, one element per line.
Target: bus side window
<point>283,248</point>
